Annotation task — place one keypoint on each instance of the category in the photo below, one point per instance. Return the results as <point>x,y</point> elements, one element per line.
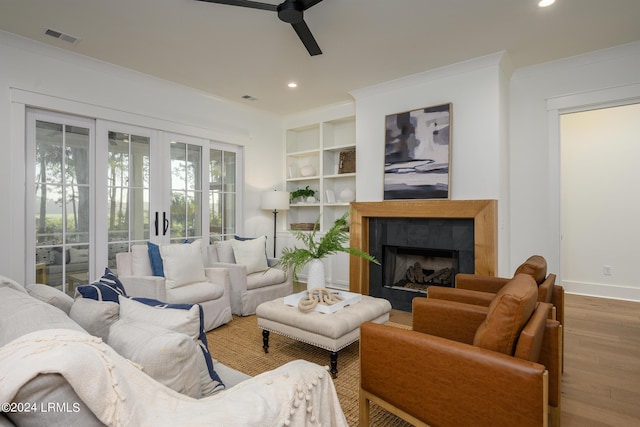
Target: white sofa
<point>135,272</point>
<point>54,373</point>
<point>250,288</point>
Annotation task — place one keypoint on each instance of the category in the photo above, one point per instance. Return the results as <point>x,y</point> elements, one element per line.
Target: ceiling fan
<point>289,11</point>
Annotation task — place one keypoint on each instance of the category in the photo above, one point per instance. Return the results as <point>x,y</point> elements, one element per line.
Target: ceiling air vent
<point>61,36</point>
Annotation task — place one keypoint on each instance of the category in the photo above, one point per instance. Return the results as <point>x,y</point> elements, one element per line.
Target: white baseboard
<point>602,290</point>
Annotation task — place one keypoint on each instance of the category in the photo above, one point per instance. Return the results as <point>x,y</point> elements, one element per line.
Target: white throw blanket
<point>298,393</point>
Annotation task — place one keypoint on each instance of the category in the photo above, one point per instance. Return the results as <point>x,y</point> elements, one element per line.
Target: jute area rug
<point>238,345</point>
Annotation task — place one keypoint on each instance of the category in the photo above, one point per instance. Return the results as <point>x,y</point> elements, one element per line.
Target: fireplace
<point>415,269</point>
<point>416,253</point>
<point>482,214</point>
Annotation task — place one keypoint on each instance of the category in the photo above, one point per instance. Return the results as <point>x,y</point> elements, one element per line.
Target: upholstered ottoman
<point>331,331</point>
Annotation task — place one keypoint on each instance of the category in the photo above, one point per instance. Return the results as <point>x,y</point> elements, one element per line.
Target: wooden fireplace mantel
<point>483,212</point>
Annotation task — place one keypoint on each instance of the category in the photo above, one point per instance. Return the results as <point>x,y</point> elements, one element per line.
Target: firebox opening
<point>415,269</point>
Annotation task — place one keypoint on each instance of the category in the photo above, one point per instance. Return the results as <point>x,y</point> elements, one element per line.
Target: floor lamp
<point>275,201</point>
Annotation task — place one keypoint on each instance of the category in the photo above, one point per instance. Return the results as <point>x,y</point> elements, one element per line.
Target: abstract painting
<point>418,154</point>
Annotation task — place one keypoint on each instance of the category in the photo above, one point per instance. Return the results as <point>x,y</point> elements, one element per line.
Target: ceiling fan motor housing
<point>290,11</point>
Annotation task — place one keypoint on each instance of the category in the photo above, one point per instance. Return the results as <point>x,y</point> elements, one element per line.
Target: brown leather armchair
<point>535,266</point>
<point>461,364</point>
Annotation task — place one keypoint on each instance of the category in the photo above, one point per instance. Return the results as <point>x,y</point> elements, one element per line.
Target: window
<point>100,187</point>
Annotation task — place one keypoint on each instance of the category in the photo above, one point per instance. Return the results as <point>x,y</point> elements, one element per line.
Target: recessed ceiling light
<point>545,3</point>
<point>292,85</point>
<point>249,98</point>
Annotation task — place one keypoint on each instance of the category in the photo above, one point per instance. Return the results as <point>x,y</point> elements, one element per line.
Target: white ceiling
<point>230,51</point>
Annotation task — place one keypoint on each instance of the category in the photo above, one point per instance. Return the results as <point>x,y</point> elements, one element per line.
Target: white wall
<point>600,184</point>
<point>44,76</point>
<point>537,96</point>
<point>477,90</point>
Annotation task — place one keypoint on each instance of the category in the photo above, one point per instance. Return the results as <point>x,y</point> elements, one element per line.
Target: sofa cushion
<point>78,255</point>
<point>107,288</point>
<point>269,277</point>
<point>109,278</point>
<point>10,283</point>
<point>94,316</point>
<point>507,315</point>
<point>169,357</point>
<point>157,266</point>
<point>50,295</point>
<point>224,251</point>
<point>183,318</point>
<point>22,314</point>
<point>52,388</point>
<point>182,264</point>
<point>140,263</point>
<point>194,293</point>
<point>535,266</point>
<point>251,254</point>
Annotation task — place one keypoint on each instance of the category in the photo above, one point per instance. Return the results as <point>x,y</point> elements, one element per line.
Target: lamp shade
<point>275,200</point>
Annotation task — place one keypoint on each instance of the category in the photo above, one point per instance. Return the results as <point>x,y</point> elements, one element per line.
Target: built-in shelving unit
<point>313,159</point>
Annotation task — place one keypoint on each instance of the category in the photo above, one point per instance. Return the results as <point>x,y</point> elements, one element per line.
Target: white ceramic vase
<point>347,195</point>
<point>307,170</point>
<point>315,275</point>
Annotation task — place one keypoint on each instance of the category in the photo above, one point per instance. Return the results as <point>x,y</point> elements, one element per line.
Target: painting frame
<point>417,146</point>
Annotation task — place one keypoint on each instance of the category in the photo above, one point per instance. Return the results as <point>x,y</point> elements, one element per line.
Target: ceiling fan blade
<point>306,4</point>
<point>305,35</point>
<point>245,3</point>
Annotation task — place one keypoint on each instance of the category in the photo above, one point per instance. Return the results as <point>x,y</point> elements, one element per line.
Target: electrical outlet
<point>606,270</point>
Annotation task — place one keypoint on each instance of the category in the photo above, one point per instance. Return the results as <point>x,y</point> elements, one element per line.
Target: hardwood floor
<point>601,380</point>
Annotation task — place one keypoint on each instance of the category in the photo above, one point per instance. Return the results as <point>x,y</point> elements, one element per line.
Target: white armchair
<point>212,292</point>
<point>248,290</point>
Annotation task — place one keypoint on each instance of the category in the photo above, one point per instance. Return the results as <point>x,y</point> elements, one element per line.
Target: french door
<point>60,181</point>
<point>100,187</point>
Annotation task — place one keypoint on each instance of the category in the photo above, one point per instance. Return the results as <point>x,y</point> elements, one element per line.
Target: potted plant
<point>303,193</point>
<point>315,249</point>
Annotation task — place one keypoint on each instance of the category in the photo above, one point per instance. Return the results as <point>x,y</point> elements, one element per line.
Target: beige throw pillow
<point>171,358</point>
<point>251,253</point>
<point>182,264</point>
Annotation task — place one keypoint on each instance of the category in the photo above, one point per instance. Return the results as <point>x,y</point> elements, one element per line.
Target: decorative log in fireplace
<point>483,213</point>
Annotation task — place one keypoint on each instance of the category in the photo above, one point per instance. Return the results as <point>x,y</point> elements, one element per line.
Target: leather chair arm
<point>551,358</point>
<point>443,382</point>
<point>557,299</point>
<point>447,319</point>
<point>145,287</point>
<point>461,295</point>
<point>480,283</point>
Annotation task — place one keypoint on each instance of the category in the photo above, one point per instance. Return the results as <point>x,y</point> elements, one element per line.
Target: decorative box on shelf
<point>304,226</point>
<point>350,298</point>
<point>347,163</point>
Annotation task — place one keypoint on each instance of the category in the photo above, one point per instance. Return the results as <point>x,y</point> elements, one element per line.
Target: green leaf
<point>333,241</point>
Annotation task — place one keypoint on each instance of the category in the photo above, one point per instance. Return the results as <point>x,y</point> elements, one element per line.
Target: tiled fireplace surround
<point>446,213</point>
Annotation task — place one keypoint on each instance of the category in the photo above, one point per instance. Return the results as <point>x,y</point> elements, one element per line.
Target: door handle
<point>156,223</point>
<point>165,224</point>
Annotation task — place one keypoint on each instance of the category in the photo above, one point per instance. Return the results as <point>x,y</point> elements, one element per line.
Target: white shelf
<point>306,153</point>
<point>341,175</point>
<point>318,145</point>
<point>340,148</point>
<point>304,178</point>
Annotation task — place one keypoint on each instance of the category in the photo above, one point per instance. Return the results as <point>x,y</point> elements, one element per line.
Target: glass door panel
<point>186,191</point>
<point>63,199</point>
<point>222,194</point>
<point>128,183</point>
